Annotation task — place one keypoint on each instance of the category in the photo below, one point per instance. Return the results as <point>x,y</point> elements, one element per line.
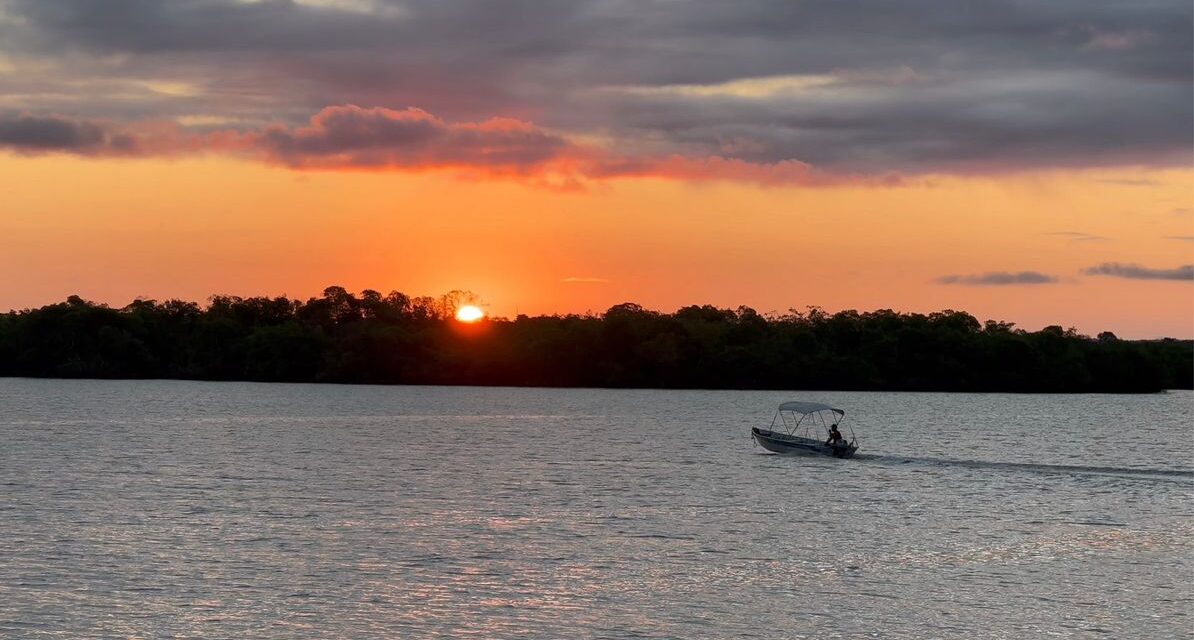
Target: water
<point>231,510</point>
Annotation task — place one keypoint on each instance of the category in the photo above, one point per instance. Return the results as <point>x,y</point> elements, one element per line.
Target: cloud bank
<point>761,90</point>
<point>351,137</point>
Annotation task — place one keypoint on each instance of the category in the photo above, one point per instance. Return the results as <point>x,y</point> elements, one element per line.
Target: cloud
<point>1182,238</point>
<point>1137,272</point>
<point>585,280</point>
<point>34,134</point>
<point>1077,236</point>
<point>713,167</point>
<point>351,136</point>
<point>854,87</point>
<point>1130,182</point>
<point>335,138</point>
<point>1113,41</point>
<point>371,7</point>
<point>29,134</point>
<point>411,139</point>
<point>140,26</point>
<point>998,278</point>
<point>982,123</point>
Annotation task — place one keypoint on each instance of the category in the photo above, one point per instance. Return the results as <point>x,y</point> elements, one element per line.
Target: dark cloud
<point>970,124</point>
<point>34,134</point>
<point>155,26</point>
<point>1137,272</point>
<point>48,134</point>
<point>998,278</point>
<point>864,86</point>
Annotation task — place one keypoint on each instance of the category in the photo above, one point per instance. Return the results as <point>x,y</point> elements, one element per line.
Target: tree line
<point>398,339</point>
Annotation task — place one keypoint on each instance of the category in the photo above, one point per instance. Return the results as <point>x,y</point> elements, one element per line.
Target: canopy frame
<point>812,420</point>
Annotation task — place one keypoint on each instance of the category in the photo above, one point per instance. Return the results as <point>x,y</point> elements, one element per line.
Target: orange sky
<point>113,230</point>
<point>1022,161</point>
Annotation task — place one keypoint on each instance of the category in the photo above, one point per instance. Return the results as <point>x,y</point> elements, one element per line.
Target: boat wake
<point>1177,474</point>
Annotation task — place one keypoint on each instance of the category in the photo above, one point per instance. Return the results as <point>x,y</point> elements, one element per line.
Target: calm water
<point>208,510</point>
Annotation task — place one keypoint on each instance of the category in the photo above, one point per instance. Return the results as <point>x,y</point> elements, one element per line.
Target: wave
<point>1031,467</point>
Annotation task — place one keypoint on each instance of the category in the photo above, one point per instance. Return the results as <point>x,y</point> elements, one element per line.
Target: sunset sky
<point>1023,161</point>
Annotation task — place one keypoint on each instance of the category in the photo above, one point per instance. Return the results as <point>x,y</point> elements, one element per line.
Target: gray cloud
<point>1137,272</point>
<point>998,278</point>
<point>1033,120</point>
<point>154,26</point>
<point>856,85</point>
<point>36,134</point>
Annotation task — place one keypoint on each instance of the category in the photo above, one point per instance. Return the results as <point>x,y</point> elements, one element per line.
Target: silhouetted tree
<point>371,338</point>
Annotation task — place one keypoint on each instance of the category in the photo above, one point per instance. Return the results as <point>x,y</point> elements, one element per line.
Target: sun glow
<point>469,313</point>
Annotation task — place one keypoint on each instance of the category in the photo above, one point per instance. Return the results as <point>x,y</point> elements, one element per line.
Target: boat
<point>806,428</point>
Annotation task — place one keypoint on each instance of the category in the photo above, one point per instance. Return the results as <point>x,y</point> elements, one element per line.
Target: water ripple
<point>206,510</point>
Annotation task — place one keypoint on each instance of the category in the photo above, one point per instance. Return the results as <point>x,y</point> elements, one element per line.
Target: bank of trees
<point>394,338</point>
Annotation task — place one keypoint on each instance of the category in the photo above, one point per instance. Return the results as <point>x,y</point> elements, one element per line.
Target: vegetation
<point>371,338</point>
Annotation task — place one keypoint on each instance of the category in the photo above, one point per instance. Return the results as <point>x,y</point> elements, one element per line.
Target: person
<point>835,436</point>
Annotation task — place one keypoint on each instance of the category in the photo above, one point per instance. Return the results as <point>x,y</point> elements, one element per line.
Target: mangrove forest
<point>369,337</point>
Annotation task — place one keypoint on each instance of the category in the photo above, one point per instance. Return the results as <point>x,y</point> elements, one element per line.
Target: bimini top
<point>809,407</point>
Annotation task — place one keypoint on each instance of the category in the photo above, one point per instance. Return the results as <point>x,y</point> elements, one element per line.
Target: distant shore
<point>372,338</point>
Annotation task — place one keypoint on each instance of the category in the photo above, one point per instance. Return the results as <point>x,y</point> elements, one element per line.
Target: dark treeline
<point>371,338</point>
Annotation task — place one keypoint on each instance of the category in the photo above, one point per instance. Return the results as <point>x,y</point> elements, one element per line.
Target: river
<point>148,509</point>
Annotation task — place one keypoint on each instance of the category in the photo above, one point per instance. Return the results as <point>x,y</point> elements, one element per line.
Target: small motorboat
<point>808,428</point>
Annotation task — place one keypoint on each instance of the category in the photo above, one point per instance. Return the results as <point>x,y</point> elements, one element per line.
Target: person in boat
<point>835,437</point>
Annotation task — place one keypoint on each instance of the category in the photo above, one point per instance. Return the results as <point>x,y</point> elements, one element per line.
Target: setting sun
<point>469,313</point>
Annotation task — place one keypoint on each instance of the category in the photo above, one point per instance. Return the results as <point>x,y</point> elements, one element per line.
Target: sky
<point>1025,161</point>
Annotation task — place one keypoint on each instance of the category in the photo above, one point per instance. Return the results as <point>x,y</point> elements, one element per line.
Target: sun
<point>469,313</point>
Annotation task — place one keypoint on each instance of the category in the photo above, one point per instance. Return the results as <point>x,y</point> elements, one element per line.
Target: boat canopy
<point>809,407</point>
